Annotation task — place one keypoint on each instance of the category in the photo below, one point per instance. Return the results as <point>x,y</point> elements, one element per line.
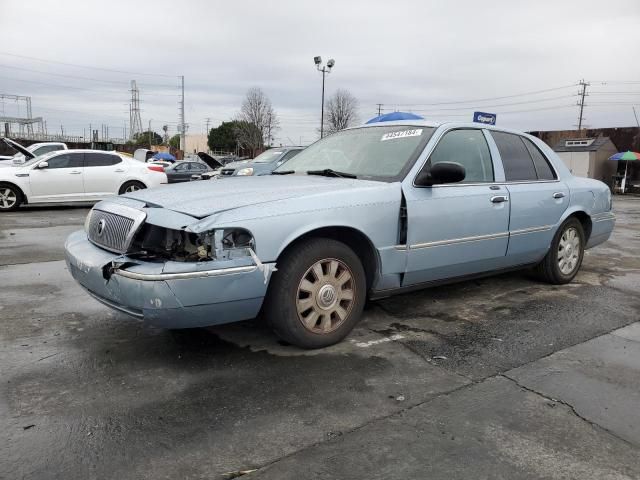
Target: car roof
<point>86,150</point>
<point>434,124</point>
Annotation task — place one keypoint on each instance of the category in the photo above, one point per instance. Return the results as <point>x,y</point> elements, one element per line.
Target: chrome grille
<point>109,230</point>
<point>113,227</point>
<point>227,171</point>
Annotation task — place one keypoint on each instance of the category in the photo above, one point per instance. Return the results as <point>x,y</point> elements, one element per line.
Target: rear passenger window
<point>101,159</point>
<point>518,165</point>
<point>543,169</point>
<point>468,148</point>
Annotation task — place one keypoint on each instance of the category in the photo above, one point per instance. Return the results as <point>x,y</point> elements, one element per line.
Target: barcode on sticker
<point>416,132</point>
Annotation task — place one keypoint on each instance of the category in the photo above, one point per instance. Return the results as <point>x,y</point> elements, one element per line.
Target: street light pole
<point>324,69</point>
<point>324,72</point>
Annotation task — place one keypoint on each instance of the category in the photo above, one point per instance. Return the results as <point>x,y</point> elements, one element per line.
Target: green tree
<point>175,141</point>
<point>144,139</point>
<point>224,137</point>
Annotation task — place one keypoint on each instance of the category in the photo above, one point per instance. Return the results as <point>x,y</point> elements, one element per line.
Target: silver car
<point>364,213</point>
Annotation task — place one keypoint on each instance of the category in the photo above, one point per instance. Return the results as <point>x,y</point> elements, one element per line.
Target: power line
<point>487,99</point>
<point>75,77</point>
<point>498,105</point>
<point>86,66</point>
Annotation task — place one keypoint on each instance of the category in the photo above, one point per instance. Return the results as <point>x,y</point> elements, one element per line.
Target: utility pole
<point>183,136</point>
<point>208,121</point>
<point>149,132</point>
<point>582,94</point>
<point>379,108</point>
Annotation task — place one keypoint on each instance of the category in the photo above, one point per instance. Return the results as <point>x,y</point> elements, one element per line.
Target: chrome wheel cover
<point>8,198</point>
<point>131,188</point>
<point>569,250</point>
<point>326,294</point>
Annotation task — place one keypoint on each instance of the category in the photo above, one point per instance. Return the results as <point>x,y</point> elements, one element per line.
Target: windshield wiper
<point>283,172</point>
<point>328,172</point>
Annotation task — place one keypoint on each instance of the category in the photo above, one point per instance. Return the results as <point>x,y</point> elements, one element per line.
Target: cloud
<point>403,52</point>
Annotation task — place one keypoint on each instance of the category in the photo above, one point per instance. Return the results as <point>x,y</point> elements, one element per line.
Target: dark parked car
<point>263,164</point>
<point>182,171</point>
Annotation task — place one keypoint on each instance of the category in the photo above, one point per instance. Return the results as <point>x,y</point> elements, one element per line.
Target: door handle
<point>499,199</point>
<point>119,170</point>
<point>74,172</point>
<point>558,195</point>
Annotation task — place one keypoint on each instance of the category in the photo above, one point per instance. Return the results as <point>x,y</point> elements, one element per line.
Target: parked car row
<point>362,214</point>
<point>73,176</point>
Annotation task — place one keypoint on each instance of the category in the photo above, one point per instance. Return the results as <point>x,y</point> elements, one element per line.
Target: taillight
<point>156,168</point>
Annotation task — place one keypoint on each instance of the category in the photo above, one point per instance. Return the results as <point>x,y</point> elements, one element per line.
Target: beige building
<point>588,157</point>
<point>196,142</point>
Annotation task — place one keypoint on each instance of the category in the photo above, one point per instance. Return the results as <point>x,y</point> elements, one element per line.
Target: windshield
<point>373,152</point>
<point>267,157</point>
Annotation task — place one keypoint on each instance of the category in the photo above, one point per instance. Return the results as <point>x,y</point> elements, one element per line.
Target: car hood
<point>18,147</point>
<point>202,199</point>
<point>209,160</point>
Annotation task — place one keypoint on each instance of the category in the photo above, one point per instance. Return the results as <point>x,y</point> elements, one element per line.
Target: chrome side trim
<point>475,238</point>
<point>603,217</point>
<point>543,228</point>
<point>154,277</point>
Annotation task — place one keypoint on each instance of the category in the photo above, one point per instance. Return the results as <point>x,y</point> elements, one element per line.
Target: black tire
<point>549,268</point>
<point>129,185</point>
<point>10,197</point>
<point>337,315</point>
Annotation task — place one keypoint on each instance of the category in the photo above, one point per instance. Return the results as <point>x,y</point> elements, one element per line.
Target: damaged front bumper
<point>170,294</point>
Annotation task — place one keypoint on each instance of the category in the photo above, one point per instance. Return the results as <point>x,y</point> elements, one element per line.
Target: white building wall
<point>576,162</point>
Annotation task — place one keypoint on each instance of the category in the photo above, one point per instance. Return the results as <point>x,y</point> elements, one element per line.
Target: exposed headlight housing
<point>245,171</point>
<point>160,243</point>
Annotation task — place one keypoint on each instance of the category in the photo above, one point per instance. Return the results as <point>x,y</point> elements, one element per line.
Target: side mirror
<point>43,165</point>
<point>442,172</point>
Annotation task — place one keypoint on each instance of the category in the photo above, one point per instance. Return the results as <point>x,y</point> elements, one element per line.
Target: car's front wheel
<point>132,186</point>
<point>562,262</point>
<point>317,294</point>
<point>10,197</point>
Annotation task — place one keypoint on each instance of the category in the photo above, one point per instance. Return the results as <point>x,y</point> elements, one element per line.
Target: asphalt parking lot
<point>502,377</point>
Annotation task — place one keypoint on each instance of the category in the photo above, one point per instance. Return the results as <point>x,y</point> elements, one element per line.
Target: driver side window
<point>469,148</point>
<point>66,160</point>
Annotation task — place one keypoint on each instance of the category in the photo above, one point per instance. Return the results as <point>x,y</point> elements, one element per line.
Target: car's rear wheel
<point>132,186</point>
<point>10,197</point>
<point>316,296</point>
<point>562,262</point>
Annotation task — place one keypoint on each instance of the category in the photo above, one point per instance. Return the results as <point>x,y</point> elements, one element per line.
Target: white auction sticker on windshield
<point>416,132</point>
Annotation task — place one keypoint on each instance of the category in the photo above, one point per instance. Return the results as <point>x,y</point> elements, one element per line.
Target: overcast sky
<point>403,54</point>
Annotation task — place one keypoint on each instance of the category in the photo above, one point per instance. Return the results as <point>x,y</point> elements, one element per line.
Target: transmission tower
<point>134,112</point>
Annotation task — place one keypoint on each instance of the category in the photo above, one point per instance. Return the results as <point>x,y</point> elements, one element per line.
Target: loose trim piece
<point>184,275</point>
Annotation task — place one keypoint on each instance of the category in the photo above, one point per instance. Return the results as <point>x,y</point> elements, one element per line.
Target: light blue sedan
<point>362,214</point>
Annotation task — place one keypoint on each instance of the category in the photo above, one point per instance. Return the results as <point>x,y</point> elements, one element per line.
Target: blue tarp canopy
<point>389,117</point>
<point>164,156</point>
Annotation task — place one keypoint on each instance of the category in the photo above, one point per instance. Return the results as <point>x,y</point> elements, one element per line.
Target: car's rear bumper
<point>171,294</point>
